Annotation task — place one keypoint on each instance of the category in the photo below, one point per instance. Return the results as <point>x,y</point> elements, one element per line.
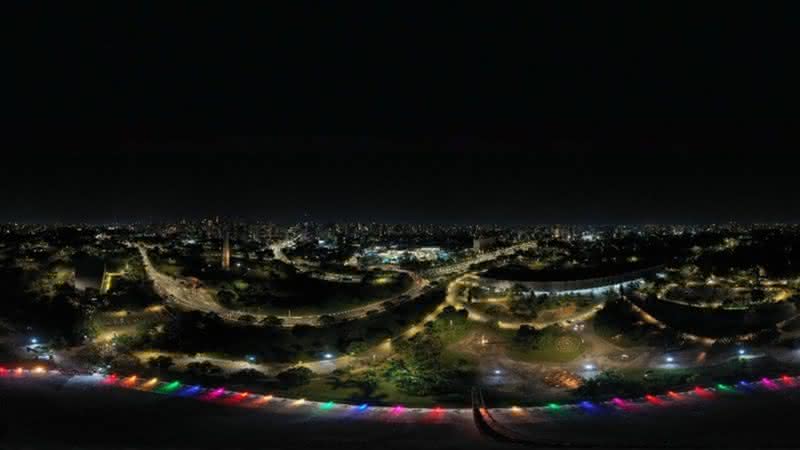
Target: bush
<point>248,375</point>
<point>161,362</point>
<point>296,376</point>
<point>272,321</point>
<point>204,368</point>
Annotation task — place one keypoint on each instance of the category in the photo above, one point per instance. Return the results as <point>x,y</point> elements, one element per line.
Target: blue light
<point>741,351</point>
<point>587,405</point>
<point>362,407</point>
<point>34,341</point>
<point>251,358</point>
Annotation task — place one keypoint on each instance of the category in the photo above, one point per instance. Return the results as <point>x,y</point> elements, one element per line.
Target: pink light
<point>767,382</point>
<point>618,401</point>
<point>398,409</point>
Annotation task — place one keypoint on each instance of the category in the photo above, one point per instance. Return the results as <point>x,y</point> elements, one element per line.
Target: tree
<point>204,368</point>
<point>272,321</point>
<point>418,370</point>
<point>247,318</point>
<point>526,336</point>
<point>226,297</point>
<point>161,362</point>
<point>356,347</point>
<point>296,376</point>
<point>248,375</point>
<point>326,320</point>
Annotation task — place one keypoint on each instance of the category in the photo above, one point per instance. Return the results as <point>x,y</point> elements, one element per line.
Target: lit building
<point>226,251</point>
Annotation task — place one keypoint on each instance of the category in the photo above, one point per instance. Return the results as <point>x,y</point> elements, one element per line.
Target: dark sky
<point>601,114</point>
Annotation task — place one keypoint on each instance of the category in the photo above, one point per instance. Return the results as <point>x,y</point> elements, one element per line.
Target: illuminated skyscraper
<point>226,251</point>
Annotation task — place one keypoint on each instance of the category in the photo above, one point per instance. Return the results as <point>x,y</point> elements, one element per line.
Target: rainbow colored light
<point>171,386</point>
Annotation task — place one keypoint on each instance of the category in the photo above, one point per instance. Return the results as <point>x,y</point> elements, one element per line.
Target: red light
<point>674,395</point>
<point>653,399</point>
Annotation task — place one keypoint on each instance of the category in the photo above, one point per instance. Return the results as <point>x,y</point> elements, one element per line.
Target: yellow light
<point>38,369</point>
<point>299,402</point>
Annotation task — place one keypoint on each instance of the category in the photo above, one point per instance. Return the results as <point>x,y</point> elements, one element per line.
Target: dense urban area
<point>515,324</point>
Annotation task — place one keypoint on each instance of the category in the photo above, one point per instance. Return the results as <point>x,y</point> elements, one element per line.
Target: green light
<point>722,387</point>
<point>327,405</point>
<point>171,386</point>
<point>554,406</point>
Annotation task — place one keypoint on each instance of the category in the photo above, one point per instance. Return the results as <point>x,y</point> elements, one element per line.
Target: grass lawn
<point>552,346</point>
<point>324,389</point>
<point>172,270</point>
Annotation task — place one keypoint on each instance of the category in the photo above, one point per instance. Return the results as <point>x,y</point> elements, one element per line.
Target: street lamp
<point>670,359</point>
<point>328,355</point>
<point>34,341</point>
<point>497,371</point>
<point>741,352</point>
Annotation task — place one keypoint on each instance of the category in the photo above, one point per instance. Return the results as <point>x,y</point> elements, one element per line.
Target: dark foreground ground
<point>53,411</point>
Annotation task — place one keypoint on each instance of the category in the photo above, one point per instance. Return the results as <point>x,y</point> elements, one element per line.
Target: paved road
<point>182,294</point>
<point>464,266</point>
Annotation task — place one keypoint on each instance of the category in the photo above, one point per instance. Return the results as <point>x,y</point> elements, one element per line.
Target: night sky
<point>620,115</point>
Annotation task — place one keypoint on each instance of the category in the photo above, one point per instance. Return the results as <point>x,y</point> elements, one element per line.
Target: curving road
<point>464,266</point>
<point>181,293</point>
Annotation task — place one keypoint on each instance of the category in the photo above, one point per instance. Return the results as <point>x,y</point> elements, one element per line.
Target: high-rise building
<point>226,251</point>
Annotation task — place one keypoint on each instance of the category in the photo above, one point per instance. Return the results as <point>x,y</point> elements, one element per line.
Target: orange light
<point>38,370</point>
<point>19,370</point>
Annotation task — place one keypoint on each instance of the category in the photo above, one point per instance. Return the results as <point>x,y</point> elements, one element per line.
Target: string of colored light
<point>175,387</point>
